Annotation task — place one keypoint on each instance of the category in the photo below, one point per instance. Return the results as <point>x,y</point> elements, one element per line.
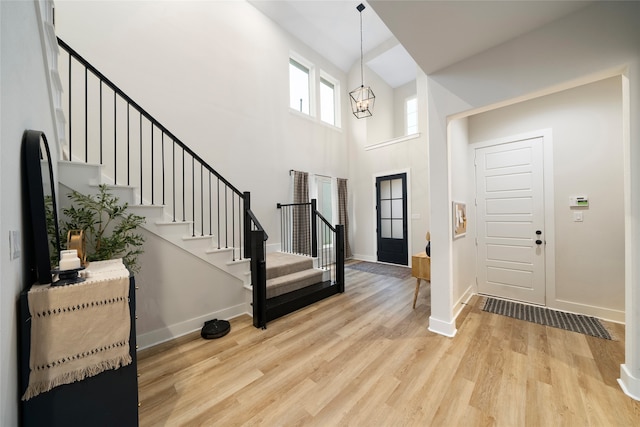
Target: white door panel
<point>510,209</point>
<point>509,206</point>
<point>509,277</point>
<point>517,230</point>
<point>510,253</point>
<point>508,158</point>
<point>511,182</point>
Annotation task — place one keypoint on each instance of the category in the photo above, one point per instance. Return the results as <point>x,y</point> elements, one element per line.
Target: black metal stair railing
<point>297,234</point>
<point>330,250</point>
<point>135,149</point>
<point>300,222</point>
<point>305,231</point>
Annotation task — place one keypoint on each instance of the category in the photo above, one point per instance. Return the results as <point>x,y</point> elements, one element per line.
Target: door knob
<point>538,232</point>
<point>538,242</point>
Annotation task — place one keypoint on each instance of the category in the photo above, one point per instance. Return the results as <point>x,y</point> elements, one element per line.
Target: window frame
<point>301,63</point>
<point>337,113</point>
<point>406,115</point>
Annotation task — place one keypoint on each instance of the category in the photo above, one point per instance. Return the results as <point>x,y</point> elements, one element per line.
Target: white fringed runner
<point>78,331</point>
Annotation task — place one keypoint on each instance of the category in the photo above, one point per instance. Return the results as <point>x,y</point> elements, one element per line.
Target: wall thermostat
<point>578,201</point>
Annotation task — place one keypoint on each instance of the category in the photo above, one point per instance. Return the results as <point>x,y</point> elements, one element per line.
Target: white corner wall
<point>381,125</point>
<point>462,190</point>
<point>24,104</point>
<point>586,123</point>
<point>368,161</point>
<point>601,40</point>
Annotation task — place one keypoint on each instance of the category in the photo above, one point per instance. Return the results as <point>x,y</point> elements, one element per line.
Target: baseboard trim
<point>170,332</point>
<point>611,315</point>
<point>463,301</point>
<point>273,247</point>
<point>629,384</point>
<point>448,329</point>
<point>368,258</point>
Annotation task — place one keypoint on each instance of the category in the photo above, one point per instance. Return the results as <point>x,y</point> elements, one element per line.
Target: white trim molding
<point>441,327</point>
<point>392,141</point>
<point>629,384</point>
<point>170,332</point>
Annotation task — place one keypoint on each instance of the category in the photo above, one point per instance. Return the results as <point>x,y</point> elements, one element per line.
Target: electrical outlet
<point>15,244</point>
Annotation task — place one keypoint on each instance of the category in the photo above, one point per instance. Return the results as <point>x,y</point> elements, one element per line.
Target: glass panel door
<point>391,204</point>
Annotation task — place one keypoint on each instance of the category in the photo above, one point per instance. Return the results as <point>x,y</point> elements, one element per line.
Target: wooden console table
<point>421,270</point>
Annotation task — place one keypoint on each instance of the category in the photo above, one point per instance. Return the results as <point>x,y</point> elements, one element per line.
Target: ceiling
<point>434,34</point>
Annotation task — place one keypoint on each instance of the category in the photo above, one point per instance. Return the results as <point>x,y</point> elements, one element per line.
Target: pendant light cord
<point>361,55</point>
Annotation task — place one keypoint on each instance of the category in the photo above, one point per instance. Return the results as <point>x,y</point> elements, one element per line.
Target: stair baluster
<point>191,199</point>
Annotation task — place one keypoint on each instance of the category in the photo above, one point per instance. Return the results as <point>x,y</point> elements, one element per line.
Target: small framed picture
<point>459,219</point>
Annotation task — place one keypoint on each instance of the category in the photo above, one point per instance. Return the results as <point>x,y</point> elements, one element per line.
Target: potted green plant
<point>110,231</point>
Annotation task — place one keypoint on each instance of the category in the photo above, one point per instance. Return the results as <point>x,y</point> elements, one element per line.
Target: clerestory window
<point>327,102</point>
<point>299,87</point>
<point>411,115</point>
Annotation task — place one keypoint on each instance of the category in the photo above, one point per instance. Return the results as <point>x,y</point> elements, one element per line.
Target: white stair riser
<point>85,178</point>
<point>197,243</point>
<point>151,213</point>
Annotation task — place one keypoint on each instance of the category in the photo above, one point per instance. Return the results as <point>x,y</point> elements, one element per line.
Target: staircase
<point>85,178</point>
<point>46,14</point>
<point>112,140</point>
<point>288,272</point>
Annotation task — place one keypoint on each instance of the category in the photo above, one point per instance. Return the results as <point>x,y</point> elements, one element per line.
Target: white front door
<point>510,215</point>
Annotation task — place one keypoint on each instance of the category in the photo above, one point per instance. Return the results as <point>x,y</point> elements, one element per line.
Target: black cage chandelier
<point>362,98</point>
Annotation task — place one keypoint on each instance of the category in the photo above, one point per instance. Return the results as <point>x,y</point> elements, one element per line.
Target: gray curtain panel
<point>343,216</point>
<point>301,214</point>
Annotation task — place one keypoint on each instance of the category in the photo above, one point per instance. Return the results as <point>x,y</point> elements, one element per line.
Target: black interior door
<point>391,212</point>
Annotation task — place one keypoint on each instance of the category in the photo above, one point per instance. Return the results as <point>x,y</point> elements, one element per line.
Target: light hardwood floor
<point>365,358</point>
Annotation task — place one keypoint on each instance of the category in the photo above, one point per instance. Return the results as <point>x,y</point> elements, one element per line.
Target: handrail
<point>327,248</point>
<point>193,190</point>
<point>228,208</point>
<point>284,205</point>
<point>259,226</point>
<point>148,116</point>
<point>326,222</point>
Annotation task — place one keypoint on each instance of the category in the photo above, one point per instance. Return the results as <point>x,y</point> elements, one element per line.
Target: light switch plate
<point>577,216</point>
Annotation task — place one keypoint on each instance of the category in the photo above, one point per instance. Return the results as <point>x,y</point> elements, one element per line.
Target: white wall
<point>600,40</point>
<point>462,190</point>
<point>216,75</point>
<point>368,162</point>
<point>180,292</point>
<point>381,125</point>
<point>400,95</point>
<point>25,104</point>
<point>586,124</point>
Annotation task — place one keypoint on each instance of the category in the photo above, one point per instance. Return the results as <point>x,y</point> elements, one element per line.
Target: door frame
<point>376,175</point>
<point>549,205</point>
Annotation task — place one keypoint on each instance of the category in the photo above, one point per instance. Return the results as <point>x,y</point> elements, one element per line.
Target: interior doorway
<point>391,219</point>
<point>510,219</point>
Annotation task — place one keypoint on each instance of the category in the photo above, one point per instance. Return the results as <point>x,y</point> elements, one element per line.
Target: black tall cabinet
<point>107,399</point>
